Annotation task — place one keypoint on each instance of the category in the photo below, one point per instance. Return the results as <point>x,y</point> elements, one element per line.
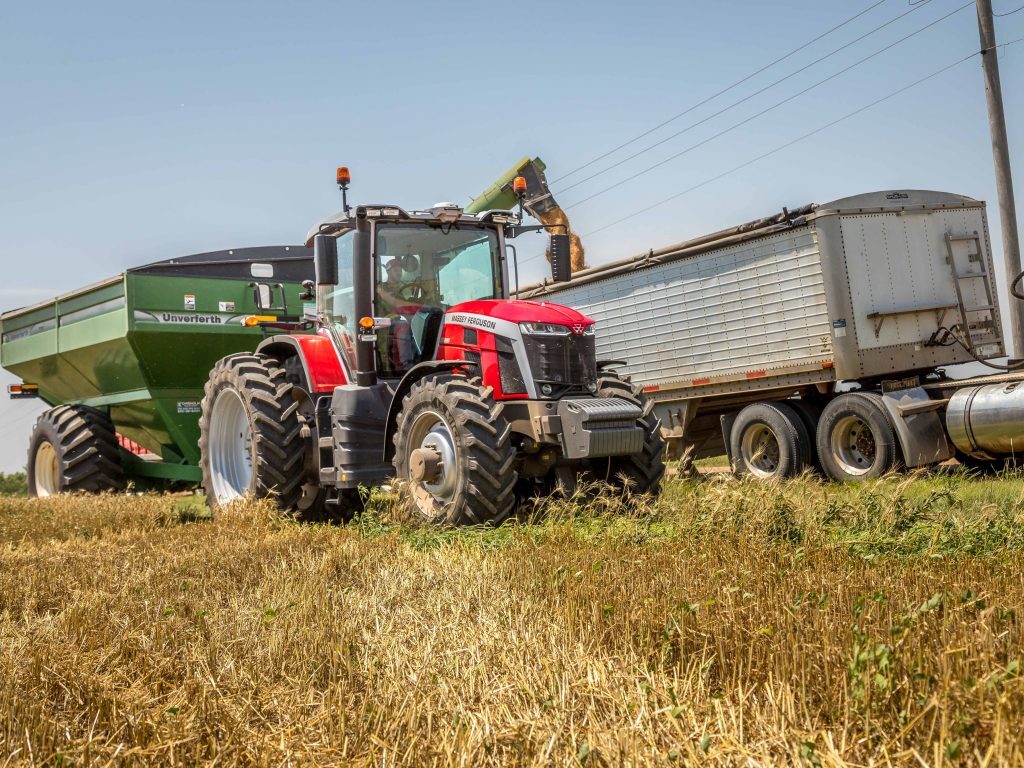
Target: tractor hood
<point>523,312</point>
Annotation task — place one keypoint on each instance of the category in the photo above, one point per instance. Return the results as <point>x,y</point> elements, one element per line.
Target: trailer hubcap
<point>853,445</point>
<point>433,464</point>
<point>760,450</point>
<point>46,470</point>
<point>230,447</point>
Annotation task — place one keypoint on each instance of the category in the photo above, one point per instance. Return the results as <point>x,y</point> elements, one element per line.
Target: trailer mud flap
<point>919,426</point>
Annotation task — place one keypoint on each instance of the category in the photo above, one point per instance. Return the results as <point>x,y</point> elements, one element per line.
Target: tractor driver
<point>400,300</point>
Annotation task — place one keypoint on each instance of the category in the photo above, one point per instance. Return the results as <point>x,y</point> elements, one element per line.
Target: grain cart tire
<point>250,434</point>
<point>641,472</point>
<point>73,449</point>
<point>855,439</point>
<point>453,449</point>
<point>769,441</point>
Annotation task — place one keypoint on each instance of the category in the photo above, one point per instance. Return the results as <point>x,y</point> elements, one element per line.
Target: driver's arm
<point>390,300</point>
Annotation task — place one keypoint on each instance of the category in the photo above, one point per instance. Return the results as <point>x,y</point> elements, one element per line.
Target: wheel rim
<point>759,449</point>
<point>431,432</point>
<point>46,470</point>
<point>853,445</point>
<point>230,447</point>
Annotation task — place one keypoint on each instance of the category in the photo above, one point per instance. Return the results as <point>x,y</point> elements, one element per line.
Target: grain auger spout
<point>539,203</point>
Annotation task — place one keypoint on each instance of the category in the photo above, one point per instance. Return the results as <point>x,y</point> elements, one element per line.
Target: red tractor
<point>420,367</point>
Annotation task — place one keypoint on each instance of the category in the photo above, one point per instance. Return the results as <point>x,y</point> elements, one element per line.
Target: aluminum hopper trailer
<point>818,336</point>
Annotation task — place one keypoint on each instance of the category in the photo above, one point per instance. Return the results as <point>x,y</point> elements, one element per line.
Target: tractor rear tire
<point>641,472</point>
<point>250,434</point>
<point>453,449</point>
<point>74,449</point>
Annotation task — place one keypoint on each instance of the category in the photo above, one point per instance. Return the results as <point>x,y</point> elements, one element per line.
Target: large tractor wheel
<point>251,442</point>
<point>641,472</point>
<point>73,449</point>
<point>855,439</point>
<point>453,448</point>
<point>770,441</point>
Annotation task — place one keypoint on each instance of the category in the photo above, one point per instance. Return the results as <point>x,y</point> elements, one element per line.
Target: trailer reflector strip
<point>651,388</point>
<point>756,374</point>
<point>700,382</point>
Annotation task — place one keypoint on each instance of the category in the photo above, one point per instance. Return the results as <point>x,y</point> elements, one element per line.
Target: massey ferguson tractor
<point>412,363</point>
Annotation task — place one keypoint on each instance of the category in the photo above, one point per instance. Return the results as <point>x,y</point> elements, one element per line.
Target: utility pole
<point>1001,158</point>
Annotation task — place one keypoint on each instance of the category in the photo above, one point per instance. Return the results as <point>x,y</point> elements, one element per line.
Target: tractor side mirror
<point>561,264</point>
<point>325,259</point>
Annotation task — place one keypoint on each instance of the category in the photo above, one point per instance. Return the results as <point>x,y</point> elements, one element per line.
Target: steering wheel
<point>411,292</point>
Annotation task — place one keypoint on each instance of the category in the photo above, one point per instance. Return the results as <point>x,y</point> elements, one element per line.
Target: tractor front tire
<point>640,472</point>
<point>454,452</point>
<point>73,449</point>
<point>250,434</point>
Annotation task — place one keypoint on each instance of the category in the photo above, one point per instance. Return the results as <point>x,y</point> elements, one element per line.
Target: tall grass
<point>729,623</point>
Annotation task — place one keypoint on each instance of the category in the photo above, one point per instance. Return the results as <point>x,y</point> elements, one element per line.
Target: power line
<point>744,99</point>
<point>805,136</point>
<point>1009,13</point>
<point>788,144</point>
<point>723,91</point>
<point>770,108</point>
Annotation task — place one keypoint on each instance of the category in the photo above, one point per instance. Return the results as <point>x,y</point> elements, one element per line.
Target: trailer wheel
<point>769,441</point>
<point>453,447</point>
<point>73,448</point>
<point>642,471</point>
<point>855,439</point>
<point>810,414</point>
<point>250,439</point>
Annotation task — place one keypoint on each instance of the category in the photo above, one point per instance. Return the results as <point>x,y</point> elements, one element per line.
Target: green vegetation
<point>727,623</point>
<point>13,484</point>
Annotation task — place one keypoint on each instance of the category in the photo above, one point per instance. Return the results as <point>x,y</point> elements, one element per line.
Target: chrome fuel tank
<point>988,419</point>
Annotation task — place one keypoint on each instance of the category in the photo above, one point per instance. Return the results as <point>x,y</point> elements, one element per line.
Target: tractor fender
<point>413,375</point>
<point>321,365</point>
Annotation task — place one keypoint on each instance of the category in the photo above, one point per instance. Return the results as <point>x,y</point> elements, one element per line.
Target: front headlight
<point>544,329</point>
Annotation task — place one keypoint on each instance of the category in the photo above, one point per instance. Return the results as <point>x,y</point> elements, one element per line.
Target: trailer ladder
<point>981,329</point>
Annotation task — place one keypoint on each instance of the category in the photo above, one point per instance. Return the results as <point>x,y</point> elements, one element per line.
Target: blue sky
<point>134,132</point>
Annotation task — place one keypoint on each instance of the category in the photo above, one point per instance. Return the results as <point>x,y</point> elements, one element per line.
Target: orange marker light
<point>519,185</point>
<point>344,177</point>
<point>366,322</point>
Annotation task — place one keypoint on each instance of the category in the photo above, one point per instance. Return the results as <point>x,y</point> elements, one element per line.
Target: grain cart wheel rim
<point>230,447</point>
<point>47,466</point>
<point>439,481</point>
<point>759,450</point>
<point>853,445</point>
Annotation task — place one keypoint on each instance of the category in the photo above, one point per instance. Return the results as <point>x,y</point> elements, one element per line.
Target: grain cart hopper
<point>422,367</point>
<point>123,362</point>
<point>818,336</point>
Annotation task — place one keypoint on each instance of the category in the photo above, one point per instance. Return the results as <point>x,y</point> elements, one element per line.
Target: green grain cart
<point>122,363</point>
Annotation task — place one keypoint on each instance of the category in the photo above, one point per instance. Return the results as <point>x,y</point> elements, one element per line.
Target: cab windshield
<point>423,270</point>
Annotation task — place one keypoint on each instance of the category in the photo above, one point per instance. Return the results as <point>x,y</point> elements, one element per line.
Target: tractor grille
<point>567,363</point>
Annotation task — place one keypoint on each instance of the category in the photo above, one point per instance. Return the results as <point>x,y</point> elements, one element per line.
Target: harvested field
<point>728,624</point>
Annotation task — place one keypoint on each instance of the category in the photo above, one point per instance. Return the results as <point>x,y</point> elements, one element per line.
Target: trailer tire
<point>250,434</point>
<point>641,472</point>
<point>810,414</point>
<point>855,440</point>
<point>770,441</point>
<point>453,449</point>
<point>73,448</point>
